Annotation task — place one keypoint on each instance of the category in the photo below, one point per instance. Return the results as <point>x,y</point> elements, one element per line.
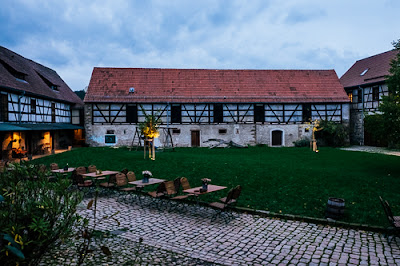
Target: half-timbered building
<point>38,111</point>
<point>197,106</point>
<point>365,85</point>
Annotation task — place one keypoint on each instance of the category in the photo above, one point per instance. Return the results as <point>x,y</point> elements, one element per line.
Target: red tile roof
<point>34,83</point>
<point>209,85</point>
<point>377,67</point>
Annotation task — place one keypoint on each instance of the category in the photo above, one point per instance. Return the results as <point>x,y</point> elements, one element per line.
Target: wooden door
<point>276,138</point>
<point>195,138</point>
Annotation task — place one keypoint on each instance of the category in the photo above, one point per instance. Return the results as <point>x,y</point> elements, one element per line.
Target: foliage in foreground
<point>35,213</point>
<point>390,106</point>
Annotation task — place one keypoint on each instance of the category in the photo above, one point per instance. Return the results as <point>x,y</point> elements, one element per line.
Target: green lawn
<point>288,180</point>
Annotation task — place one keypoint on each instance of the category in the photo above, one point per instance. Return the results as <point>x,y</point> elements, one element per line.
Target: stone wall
<point>244,134</point>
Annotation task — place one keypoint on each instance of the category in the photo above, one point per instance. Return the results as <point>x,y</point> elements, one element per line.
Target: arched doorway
<point>277,137</point>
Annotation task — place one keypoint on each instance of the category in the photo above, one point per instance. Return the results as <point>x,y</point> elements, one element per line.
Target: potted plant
<point>146,175</point>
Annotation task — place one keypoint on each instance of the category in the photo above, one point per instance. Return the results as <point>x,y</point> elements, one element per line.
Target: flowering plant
<point>147,173</point>
<point>206,180</point>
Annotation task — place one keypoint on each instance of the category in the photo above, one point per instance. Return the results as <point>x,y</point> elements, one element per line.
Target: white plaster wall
<point>244,134</point>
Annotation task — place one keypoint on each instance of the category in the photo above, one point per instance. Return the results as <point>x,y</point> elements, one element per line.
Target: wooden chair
<point>236,193</point>
<point>125,187</point>
<point>86,186</point>
<point>185,183</point>
<point>393,220</point>
<point>81,170</point>
<point>92,168</point>
<point>179,199</point>
<point>158,194</point>
<point>110,184</point>
<point>131,176</point>
<point>54,166</point>
<point>223,207</point>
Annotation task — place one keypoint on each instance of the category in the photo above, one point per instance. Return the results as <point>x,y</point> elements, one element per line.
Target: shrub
<point>375,126</point>
<point>35,213</point>
<point>302,142</point>
<point>331,134</point>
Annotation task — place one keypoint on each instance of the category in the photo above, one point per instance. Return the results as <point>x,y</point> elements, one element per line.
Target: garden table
<point>196,191</point>
<point>140,184</point>
<point>100,176</point>
<point>62,171</point>
<point>152,181</point>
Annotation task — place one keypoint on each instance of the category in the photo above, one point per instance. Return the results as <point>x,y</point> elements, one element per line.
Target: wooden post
<point>154,151</point>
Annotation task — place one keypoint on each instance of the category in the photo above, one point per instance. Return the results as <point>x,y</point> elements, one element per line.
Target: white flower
<point>147,173</point>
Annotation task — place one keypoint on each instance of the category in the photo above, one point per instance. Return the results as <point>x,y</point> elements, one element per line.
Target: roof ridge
<point>216,69</point>
<point>390,51</point>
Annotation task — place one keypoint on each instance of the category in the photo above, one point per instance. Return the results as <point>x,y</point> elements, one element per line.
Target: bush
<point>35,213</point>
<point>375,126</point>
<point>302,142</point>
<point>332,134</point>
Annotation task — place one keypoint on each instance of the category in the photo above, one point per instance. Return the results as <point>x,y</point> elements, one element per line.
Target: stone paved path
<point>191,238</point>
<point>372,150</point>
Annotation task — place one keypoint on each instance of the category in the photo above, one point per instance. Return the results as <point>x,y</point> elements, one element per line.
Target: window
<point>131,114</point>
<point>259,113</point>
<point>110,131</point>
<point>33,106</point>
<point>218,113</point>
<point>222,131</point>
<point>359,95</point>
<point>109,139</point>
<point>375,93</point>
<point>176,114</point>
<point>350,95</point>
<point>52,86</point>
<point>176,131</point>
<point>3,108</point>
<point>306,112</point>
<point>18,75</point>
<point>364,72</point>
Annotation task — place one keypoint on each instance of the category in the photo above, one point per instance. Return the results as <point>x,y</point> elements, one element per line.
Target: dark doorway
<point>195,138</point>
<point>277,138</point>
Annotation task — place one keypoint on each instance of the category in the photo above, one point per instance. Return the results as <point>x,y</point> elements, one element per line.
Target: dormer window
<point>52,86</point>
<point>18,75</point>
<point>364,72</point>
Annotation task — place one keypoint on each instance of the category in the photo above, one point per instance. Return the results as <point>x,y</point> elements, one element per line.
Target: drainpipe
<point>19,107</point>
<point>168,110</point>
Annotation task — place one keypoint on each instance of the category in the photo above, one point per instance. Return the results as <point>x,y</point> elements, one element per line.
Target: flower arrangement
<point>205,184</point>
<point>206,181</point>
<point>147,173</point>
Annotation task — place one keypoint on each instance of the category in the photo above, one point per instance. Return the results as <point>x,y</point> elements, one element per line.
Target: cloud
<point>73,36</point>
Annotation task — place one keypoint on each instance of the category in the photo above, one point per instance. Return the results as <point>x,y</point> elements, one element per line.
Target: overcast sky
<point>73,36</point>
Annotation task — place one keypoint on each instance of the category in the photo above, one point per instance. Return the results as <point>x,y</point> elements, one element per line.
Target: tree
<point>390,106</point>
<point>149,129</point>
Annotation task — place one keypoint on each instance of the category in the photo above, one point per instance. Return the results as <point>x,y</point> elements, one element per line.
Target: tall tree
<point>390,106</point>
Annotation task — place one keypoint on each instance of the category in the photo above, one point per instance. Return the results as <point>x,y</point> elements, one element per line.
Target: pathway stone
<point>192,238</point>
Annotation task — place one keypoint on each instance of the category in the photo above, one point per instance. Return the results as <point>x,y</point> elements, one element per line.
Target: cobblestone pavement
<point>192,238</point>
<point>372,150</point>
